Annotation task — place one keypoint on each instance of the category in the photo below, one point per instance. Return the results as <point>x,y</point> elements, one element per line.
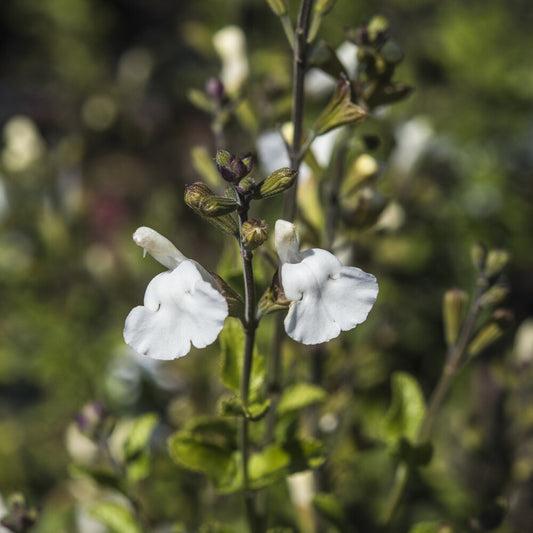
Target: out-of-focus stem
<point>299,68</point>
<point>455,358</point>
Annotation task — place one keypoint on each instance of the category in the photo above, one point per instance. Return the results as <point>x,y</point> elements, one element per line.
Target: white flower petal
<point>180,308</point>
<point>159,247</point>
<point>326,298</point>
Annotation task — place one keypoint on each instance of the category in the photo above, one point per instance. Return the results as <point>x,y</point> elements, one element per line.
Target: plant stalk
<point>250,326</point>
<point>455,359</point>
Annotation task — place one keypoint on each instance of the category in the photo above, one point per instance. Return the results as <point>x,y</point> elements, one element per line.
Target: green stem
<point>455,359</point>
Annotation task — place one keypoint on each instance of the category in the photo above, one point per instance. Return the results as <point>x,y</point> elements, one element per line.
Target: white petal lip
<point>180,308</point>
<point>159,247</point>
<point>326,297</point>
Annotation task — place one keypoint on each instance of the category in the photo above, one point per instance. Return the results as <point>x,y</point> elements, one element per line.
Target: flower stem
<point>299,69</point>
<point>456,357</point>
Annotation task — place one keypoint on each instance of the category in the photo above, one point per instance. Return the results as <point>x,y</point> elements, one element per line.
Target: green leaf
<point>329,508</point>
<point>255,410</point>
<point>136,447</point>
<point>117,518</point>
<point>104,477</point>
<point>298,396</point>
<point>214,460</point>
<point>203,163</point>
<point>268,466</point>
<point>213,429</point>
<point>232,350</point>
<point>431,527</point>
<point>406,411</point>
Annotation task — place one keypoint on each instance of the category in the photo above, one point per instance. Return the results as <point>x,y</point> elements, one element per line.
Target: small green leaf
<point>214,429</point>
<point>217,462</point>
<point>232,350</point>
<point>298,396</point>
<point>136,447</point>
<point>329,508</point>
<point>117,518</point>
<point>406,410</point>
<point>203,163</point>
<point>255,410</point>
<point>268,466</point>
<point>104,477</point>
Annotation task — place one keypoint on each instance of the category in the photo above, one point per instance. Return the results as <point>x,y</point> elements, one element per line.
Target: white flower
<point>181,306</point>
<point>230,44</point>
<point>326,297</point>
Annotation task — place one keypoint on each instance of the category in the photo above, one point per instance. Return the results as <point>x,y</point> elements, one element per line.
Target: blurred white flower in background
<point>230,45</point>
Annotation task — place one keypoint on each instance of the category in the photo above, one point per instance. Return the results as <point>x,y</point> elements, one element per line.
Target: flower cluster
<point>185,306</point>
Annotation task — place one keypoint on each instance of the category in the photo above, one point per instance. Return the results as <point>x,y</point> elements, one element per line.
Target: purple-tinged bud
<point>215,89</point>
<point>233,168</point>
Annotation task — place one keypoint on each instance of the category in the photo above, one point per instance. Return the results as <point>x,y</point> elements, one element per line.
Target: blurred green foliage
<point>97,138</point>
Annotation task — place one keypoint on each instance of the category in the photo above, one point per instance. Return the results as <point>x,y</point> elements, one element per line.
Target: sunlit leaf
<point>406,410</point>
<point>298,396</point>
<point>117,518</point>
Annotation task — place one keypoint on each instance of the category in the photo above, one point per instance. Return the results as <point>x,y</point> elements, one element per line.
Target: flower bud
<point>323,7</point>
<point>233,168</point>
<point>494,296</point>
<point>496,261</point>
<point>340,110</point>
<point>254,233</point>
<point>377,28</point>
<point>216,209</point>
<point>453,309</point>
<point>279,181</point>
<point>478,253</point>
<point>362,171</point>
<point>279,7</point>
<point>392,53</point>
<point>500,320</point>
<point>20,516</point>
<point>200,197</point>
<point>274,298</point>
<point>215,89</point>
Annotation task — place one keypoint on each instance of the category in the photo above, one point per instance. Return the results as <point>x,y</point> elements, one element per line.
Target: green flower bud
<point>218,210</point>
<point>340,110</point>
<point>279,181</point>
<point>392,53</point>
<point>274,298</point>
<point>377,28</point>
<point>494,296</point>
<point>496,261</point>
<point>323,7</point>
<point>500,320</point>
<point>363,171</point>
<point>478,253</point>
<point>200,197</point>
<point>453,310</point>
<point>279,7</point>
<point>254,233</point>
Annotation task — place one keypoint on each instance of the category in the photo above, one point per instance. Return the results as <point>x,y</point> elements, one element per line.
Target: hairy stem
<point>455,359</point>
